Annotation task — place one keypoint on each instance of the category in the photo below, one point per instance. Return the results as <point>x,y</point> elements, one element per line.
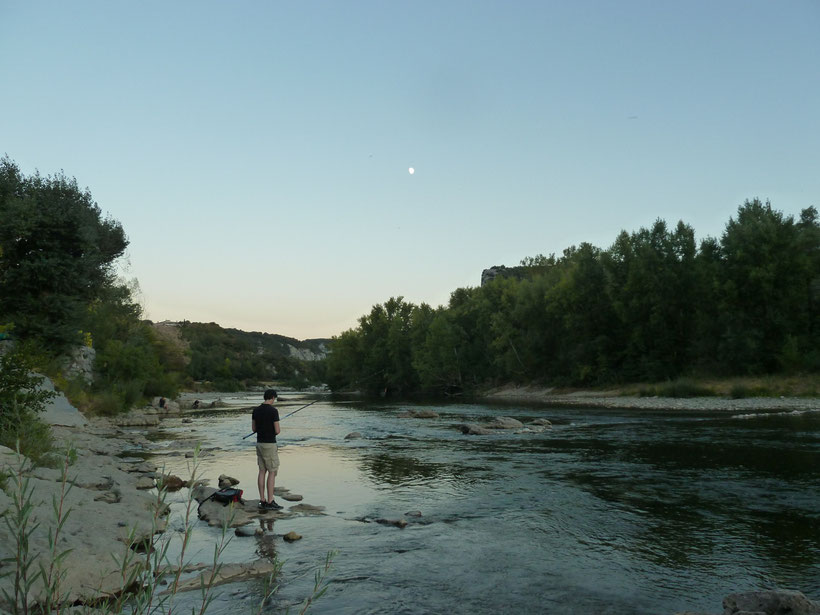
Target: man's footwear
<point>274,506</point>
<point>263,504</point>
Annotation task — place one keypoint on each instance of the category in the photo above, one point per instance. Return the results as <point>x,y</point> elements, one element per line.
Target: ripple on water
<point>609,512</point>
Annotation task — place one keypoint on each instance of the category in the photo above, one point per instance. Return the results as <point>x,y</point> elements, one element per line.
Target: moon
<point>411,170</point>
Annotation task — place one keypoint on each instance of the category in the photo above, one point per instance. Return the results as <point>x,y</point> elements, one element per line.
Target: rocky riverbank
<point>105,503</point>
<point>110,506</point>
<point>614,399</point>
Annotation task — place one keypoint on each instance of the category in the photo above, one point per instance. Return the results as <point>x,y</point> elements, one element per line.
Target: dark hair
<point>270,394</point>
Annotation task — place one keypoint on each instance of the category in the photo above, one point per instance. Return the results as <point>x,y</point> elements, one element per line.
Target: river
<point>610,511</point>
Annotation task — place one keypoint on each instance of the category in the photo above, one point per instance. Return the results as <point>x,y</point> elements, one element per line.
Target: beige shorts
<point>267,456</point>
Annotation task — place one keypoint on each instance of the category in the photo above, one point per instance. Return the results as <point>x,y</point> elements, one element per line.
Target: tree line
<point>59,290</point>
<point>230,359</point>
<point>654,306</point>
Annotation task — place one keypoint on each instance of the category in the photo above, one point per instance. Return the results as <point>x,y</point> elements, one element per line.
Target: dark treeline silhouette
<point>653,306</point>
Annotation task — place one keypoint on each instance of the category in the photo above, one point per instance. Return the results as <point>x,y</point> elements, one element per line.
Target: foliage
<point>58,291</point>
<point>21,400</point>
<point>56,254</point>
<point>230,359</point>
<point>654,306</point>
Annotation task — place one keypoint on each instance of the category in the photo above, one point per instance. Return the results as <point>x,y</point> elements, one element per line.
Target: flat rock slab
<point>308,509</point>
<point>58,410</point>
<point>235,514</point>
<point>228,573</point>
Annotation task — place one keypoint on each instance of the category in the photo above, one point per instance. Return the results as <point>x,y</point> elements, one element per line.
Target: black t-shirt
<point>265,415</point>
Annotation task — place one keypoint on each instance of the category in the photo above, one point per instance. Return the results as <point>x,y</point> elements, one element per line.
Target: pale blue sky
<point>257,153</point>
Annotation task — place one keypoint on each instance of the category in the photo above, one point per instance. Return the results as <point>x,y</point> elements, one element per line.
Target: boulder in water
<point>505,422</point>
<point>773,602</point>
<point>471,429</point>
<point>171,482</point>
<point>399,523</point>
<point>424,414</point>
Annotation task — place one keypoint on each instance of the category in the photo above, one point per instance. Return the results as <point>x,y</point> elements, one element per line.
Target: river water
<point>610,511</point>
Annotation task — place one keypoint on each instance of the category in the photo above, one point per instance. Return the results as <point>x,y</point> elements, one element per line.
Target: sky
<point>257,154</point>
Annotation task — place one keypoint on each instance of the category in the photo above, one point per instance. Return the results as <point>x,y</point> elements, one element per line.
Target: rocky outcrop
<point>79,364</point>
<point>500,271</point>
<point>502,423</point>
<point>58,410</point>
<point>306,354</point>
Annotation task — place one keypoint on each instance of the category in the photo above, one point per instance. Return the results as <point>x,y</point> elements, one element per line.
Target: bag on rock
<point>228,495</point>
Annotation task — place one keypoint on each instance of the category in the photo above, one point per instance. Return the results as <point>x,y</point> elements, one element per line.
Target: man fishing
<point>265,424</point>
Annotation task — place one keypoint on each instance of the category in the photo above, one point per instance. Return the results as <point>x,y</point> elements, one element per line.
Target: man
<point>265,424</point>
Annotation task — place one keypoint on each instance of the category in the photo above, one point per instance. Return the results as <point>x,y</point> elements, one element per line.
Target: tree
<point>769,263</point>
<point>56,254</point>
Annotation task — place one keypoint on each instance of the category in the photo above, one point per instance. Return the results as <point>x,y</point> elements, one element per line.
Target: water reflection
<point>618,512</point>
<point>393,469</point>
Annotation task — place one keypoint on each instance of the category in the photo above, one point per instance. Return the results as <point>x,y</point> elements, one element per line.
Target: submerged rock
<point>292,537</point>
<point>354,435</point>
<point>774,602</point>
<point>399,523</point>
<point>229,573</point>
<point>307,508</point>
<point>418,414</point>
<point>471,429</point>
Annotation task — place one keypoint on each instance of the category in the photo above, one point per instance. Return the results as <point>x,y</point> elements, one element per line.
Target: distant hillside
<point>230,359</point>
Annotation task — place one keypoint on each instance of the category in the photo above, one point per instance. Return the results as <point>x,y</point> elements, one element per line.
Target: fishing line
<point>286,416</point>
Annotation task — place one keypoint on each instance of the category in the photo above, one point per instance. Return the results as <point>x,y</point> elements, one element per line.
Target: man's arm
<point>276,428</point>
<point>253,425</point>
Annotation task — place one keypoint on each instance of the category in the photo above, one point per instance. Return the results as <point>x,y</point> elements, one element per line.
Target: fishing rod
<point>286,416</point>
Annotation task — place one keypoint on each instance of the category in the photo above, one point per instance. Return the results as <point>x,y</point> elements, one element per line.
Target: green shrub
<point>20,402</point>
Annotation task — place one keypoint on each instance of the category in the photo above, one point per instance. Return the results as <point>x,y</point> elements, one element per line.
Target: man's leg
<point>260,482</point>
<point>271,483</point>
